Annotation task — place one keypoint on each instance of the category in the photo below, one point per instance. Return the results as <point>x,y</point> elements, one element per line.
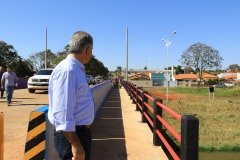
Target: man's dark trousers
<point>64,148</point>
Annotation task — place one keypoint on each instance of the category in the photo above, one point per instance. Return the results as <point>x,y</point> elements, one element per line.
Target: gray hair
<point>79,42</point>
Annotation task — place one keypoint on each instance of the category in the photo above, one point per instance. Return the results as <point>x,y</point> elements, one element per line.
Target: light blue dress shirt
<point>70,98</point>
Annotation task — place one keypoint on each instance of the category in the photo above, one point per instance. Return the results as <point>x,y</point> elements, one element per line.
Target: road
<point>16,119</point>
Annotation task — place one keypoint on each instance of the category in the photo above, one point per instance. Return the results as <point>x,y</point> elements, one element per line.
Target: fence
<point>22,83</point>
<point>188,138</point>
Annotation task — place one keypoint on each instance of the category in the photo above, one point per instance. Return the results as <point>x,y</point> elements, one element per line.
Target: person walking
<point>71,106</point>
<point>9,80</point>
<point>1,73</point>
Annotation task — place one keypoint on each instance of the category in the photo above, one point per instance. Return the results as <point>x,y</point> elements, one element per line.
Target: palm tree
<point>119,70</point>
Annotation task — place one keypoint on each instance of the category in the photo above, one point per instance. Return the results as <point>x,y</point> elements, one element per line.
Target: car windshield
<point>44,72</point>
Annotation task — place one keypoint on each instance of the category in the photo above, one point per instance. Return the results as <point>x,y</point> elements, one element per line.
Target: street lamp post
<point>168,44</point>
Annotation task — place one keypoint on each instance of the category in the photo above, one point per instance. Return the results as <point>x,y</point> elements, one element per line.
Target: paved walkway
<point>118,133</point>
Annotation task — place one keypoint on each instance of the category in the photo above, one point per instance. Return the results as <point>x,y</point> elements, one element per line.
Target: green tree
<point>201,57</point>
<point>60,56</point>
<point>23,68</point>
<point>169,68</point>
<point>95,67</point>
<point>145,68</point>
<point>234,67</point>
<point>179,69</point>
<point>9,56</point>
<point>110,74</point>
<point>57,60</point>
<point>118,70</point>
<point>38,59</point>
<point>214,81</point>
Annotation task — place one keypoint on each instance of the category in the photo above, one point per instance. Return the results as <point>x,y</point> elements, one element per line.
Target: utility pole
<point>126,74</point>
<point>46,51</point>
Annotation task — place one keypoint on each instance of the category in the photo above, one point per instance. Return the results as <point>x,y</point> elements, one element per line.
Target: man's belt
<point>83,127</point>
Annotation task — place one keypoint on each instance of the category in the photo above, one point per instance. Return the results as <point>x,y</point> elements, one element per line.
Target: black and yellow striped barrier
<point>1,135</point>
<point>36,136</point>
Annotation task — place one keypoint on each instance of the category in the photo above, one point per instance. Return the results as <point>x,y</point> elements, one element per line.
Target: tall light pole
<point>46,51</point>
<point>168,44</point>
<point>126,72</point>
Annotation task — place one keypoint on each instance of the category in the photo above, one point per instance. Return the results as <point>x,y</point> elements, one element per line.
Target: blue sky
<point>213,22</point>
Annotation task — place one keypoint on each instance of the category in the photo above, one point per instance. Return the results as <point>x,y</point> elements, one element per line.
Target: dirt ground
<point>16,119</point>
<point>171,97</point>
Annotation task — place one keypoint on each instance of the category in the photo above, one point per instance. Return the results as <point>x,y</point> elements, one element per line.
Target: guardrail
<point>188,138</point>
<point>39,140</point>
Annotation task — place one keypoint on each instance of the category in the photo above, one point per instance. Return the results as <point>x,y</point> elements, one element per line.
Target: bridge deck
<point>118,133</point>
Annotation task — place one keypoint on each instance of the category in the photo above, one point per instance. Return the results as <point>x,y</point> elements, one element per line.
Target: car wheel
<point>31,90</point>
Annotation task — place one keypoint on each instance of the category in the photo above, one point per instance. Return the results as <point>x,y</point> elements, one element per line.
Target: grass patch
<point>219,128</point>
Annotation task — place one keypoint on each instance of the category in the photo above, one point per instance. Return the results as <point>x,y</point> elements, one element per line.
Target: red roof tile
<point>234,75</point>
<point>208,76</point>
<point>185,76</point>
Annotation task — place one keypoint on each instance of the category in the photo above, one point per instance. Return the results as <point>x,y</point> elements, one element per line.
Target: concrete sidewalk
<point>118,133</point>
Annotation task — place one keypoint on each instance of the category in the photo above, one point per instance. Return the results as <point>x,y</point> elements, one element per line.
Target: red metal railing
<point>153,116</point>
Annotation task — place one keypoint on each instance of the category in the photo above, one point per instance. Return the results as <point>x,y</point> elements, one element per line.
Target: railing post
<point>127,87</point>
<point>138,93</point>
<point>144,108</point>
<point>156,123</point>
<point>131,91</point>
<point>133,94</point>
<point>1,135</point>
<point>123,84</point>
<point>189,137</point>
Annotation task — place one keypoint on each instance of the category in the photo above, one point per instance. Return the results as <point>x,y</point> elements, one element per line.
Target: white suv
<point>40,80</point>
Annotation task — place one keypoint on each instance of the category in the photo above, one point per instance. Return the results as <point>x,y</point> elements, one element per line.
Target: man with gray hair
<point>71,107</point>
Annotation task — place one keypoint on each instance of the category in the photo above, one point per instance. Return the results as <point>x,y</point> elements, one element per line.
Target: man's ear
<point>88,49</point>
<point>85,51</point>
